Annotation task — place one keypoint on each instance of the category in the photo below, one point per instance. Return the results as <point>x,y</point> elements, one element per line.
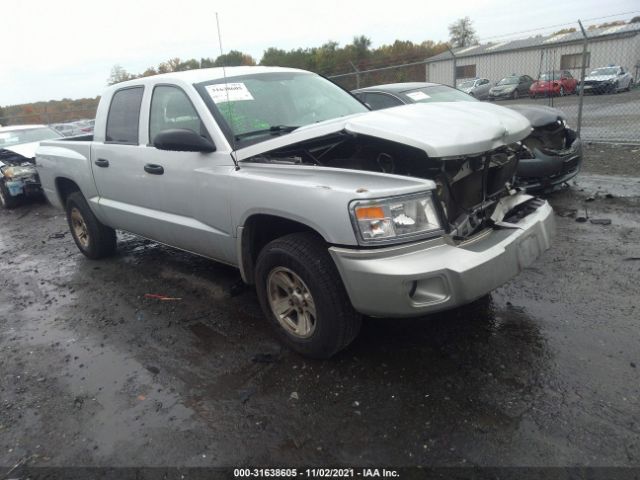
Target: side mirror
<point>183,140</point>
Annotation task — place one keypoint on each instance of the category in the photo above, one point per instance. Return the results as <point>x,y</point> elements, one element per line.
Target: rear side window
<point>124,116</point>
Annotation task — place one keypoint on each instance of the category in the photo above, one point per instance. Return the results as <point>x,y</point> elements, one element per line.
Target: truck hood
<point>439,129</point>
<point>27,150</point>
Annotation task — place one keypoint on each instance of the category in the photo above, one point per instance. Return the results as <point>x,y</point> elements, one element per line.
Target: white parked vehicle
<point>477,87</point>
<point>611,79</point>
<point>332,211</point>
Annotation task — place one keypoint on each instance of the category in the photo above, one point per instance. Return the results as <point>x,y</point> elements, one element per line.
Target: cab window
<point>170,109</point>
<point>124,116</point>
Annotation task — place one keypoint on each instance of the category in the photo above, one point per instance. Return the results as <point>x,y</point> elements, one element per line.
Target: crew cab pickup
<point>332,211</point>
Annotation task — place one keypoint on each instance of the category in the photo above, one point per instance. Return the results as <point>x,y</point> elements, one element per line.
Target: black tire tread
<point>103,238</point>
<point>310,249</point>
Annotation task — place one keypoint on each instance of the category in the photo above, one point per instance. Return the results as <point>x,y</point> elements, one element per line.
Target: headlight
<point>12,172</point>
<point>392,220</point>
<point>612,80</point>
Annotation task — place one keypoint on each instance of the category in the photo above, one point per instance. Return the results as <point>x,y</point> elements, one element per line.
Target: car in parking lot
<point>609,79</point>
<point>554,83</point>
<point>549,156</point>
<point>512,87</point>
<point>18,175</point>
<point>477,87</point>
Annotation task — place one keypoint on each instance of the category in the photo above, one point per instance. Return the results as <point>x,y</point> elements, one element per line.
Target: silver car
<point>478,87</point>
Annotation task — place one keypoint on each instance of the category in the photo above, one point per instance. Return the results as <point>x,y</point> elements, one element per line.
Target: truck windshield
<point>259,106</point>
<point>26,135</point>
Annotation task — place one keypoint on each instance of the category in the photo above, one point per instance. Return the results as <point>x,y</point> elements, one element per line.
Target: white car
<point>18,176</point>
<point>478,87</point>
<point>611,79</point>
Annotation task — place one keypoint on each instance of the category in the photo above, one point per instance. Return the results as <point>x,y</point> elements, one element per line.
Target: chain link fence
<point>548,70</point>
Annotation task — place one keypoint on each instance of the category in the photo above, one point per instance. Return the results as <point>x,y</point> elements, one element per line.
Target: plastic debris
<point>162,298</point>
<point>294,396</point>
<point>601,221</point>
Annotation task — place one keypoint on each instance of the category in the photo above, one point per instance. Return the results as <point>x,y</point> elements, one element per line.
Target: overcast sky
<point>52,50</point>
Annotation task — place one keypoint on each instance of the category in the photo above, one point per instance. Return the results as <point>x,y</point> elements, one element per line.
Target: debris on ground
<point>58,235</point>
<point>163,298</point>
<point>264,358</point>
<point>294,396</point>
<point>601,221</point>
<point>237,288</point>
<point>154,370</point>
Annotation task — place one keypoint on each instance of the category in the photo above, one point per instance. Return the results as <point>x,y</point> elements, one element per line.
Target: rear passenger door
<point>118,167</point>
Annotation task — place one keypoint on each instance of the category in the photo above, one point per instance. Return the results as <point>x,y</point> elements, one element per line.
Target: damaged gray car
<point>18,176</point>
<point>550,156</point>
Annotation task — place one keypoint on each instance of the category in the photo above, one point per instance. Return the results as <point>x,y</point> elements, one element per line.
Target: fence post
<point>453,55</point>
<point>582,72</point>
<point>355,69</point>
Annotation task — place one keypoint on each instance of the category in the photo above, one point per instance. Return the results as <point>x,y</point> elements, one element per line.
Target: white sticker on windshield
<point>417,95</point>
<point>231,92</point>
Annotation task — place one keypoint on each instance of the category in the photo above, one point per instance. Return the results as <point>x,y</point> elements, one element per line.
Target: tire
<point>7,201</point>
<point>300,262</point>
<point>92,238</point>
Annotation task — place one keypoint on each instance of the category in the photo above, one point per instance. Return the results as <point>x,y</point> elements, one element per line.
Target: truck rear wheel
<point>7,200</point>
<point>94,239</point>
<point>302,295</point>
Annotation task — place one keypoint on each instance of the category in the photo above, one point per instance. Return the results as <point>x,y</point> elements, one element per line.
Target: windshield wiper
<point>273,130</point>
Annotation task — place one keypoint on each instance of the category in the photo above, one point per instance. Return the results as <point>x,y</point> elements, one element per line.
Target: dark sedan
<point>511,87</point>
<point>549,156</point>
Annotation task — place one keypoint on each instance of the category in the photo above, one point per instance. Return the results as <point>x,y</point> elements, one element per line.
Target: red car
<point>554,83</point>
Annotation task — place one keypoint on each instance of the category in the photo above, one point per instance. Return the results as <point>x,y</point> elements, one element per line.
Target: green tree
<point>234,58</point>
<point>119,74</point>
<point>462,33</point>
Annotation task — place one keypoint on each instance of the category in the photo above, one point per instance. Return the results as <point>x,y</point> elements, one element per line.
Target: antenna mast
<point>226,89</point>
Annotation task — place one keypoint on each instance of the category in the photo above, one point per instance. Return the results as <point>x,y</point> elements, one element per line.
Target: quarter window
<point>171,108</point>
<point>124,116</point>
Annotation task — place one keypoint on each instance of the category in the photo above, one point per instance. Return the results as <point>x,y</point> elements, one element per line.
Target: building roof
<point>538,41</point>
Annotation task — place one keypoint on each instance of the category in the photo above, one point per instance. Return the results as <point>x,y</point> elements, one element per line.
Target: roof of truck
<point>206,74</point>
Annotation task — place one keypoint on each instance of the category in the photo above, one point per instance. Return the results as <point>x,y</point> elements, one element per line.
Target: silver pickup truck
<point>332,211</point>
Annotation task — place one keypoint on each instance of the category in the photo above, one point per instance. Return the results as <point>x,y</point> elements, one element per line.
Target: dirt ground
<point>542,372</point>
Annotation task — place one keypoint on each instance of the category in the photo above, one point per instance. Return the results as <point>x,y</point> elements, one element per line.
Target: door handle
<point>154,169</point>
<point>101,162</point>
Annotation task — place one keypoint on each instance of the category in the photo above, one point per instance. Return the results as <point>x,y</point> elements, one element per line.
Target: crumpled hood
<point>538,115</point>
<point>440,129</point>
<point>27,150</point>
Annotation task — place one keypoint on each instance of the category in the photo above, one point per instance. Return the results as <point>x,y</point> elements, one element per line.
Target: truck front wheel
<point>302,295</point>
<point>94,239</point>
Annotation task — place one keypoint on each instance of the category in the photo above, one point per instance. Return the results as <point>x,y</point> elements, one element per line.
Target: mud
<point>542,372</point>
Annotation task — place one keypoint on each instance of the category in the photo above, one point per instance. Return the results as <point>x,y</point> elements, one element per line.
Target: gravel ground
<point>542,372</point>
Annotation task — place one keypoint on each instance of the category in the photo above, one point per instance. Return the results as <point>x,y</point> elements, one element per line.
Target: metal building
<point>617,45</point>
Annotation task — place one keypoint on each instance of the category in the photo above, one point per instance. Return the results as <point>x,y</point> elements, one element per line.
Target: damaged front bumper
<point>552,168</point>
<point>434,275</point>
<point>27,183</point>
